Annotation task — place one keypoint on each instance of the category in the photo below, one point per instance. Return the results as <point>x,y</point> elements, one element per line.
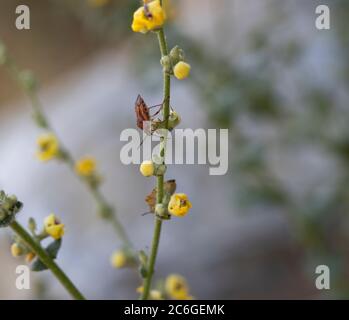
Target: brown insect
<point>169,188</point>
<point>143,111</point>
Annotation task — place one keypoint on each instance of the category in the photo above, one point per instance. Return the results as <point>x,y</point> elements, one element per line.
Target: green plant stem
<point>152,258</point>
<point>160,179</point>
<point>47,260</point>
<point>95,192</point>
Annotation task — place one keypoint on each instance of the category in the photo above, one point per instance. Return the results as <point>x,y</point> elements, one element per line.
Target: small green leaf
<point>37,265</point>
<point>52,250</point>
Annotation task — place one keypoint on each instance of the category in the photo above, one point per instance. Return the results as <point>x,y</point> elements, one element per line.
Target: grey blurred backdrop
<point>259,68</point>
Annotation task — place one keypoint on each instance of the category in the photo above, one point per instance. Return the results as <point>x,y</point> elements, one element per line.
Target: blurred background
<point>259,68</point>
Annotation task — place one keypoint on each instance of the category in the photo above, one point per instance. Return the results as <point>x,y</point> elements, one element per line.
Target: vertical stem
<point>152,258</point>
<point>47,260</point>
<point>160,179</point>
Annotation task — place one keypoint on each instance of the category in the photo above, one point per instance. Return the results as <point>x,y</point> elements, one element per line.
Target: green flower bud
<point>9,207</point>
<point>160,210</point>
<point>143,271</point>
<point>173,120</point>
<point>160,169</point>
<point>32,225</point>
<point>176,55</point>
<point>166,64</point>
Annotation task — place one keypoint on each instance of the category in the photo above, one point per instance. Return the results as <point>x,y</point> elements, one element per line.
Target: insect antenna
<point>146,213</point>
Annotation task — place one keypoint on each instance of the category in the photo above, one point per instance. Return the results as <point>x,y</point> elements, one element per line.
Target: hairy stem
<point>47,260</point>
<point>160,179</point>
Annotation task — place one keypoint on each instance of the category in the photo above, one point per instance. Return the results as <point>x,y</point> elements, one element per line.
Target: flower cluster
<point>52,227</point>
<point>9,207</point>
<point>174,63</point>
<point>19,248</point>
<point>176,204</point>
<point>175,287</point>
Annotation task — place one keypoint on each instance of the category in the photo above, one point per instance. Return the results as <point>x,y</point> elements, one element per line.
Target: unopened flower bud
<point>166,64</point>
<point>181,70</point>
<point>29,257</point>
<point>176,55</point>
<point>147,168</point>
<point>160,210</point>
<point>119,259</point>
<point>32,225</point>
<point>160,170</point>
<point>173,120</point>
<point>16,250</point>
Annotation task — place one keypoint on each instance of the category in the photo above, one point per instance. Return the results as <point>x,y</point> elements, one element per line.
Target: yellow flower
<point>179,204</point>
<point>16,250</point>
<point>151,16</point>
<point>181,70</point>
<point>177,288</point>
<point>29,257</point>
<point>48,147</point>
<point>97,3</point>
<point>147,168</point>
<point>153,294</point>
<point>53,227</point>
<point>86,166</point>
<point>118,259</point>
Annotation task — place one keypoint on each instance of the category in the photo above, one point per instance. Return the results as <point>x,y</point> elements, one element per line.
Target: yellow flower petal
<point>16,250</point>
<point>53,227</point>
<point>48,147</point>
<point>149,17</point>
<point>85,166</point>
<point>29,257</point>
<point>118,259</point>
<point>176,287</point>
<point>179,204</point>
